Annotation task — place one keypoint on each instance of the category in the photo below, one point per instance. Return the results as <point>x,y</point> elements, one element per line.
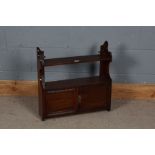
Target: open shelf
<point>72,83</point>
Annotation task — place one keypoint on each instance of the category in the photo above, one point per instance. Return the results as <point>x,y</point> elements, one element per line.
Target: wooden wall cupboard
<point>73,96</point>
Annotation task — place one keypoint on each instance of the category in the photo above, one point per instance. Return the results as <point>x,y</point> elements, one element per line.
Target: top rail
<point>71,60</point>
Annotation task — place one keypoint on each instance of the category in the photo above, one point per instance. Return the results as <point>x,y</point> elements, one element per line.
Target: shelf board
<point>72,83</point>
<point>71,60</point>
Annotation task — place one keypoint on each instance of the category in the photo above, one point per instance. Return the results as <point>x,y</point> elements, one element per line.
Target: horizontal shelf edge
<point>71,60</point>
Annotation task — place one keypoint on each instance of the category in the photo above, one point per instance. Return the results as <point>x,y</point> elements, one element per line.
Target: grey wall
<point>133,50</point>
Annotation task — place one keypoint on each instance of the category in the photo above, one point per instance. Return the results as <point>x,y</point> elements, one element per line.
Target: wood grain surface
<point>119,90</point>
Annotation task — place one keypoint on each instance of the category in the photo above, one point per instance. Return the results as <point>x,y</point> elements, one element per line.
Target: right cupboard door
<point>92,97</point>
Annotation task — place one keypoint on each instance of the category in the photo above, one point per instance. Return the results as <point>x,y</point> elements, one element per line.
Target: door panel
<point>61,101</point>
<point>92,97</point>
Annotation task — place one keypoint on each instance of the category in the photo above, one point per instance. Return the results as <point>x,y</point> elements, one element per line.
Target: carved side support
<point>105,59</point>
<point>41,82</point>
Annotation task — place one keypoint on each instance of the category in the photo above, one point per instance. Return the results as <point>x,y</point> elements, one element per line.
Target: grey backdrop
<point>133,50</point>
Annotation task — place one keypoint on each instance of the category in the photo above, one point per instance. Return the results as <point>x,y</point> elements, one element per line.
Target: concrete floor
<point>21,112</point>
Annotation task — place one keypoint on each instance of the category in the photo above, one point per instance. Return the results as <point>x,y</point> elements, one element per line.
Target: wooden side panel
<point>41,82</point>
<point>92,97</point>
<point>63,101</point>
<point>108,94</point>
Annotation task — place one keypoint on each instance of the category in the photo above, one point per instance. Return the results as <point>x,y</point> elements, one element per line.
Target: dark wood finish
<point>92,97</point>
<point>73,83</point>
<point>61,101</point>
<point>41,83</point>
<point>64,97</point>
<point>71,60</point>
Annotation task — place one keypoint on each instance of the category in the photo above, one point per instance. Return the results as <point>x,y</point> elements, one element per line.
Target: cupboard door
<point>92,97</point>
<point>61,102</point>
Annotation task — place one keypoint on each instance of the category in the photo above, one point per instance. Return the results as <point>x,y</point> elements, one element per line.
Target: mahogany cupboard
<point>73,96</point>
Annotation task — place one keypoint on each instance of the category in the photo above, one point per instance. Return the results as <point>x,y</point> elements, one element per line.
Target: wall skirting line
<point>18,88</point>
<point>119,90</point>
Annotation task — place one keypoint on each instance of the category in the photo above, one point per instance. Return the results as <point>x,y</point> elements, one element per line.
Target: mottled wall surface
<point>133,50</point>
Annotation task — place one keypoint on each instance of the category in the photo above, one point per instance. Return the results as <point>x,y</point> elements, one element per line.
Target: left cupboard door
<point>61,102</point>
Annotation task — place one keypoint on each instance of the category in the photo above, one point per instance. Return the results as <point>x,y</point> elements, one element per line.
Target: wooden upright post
<point>41,82</point>
<point>105,59</point>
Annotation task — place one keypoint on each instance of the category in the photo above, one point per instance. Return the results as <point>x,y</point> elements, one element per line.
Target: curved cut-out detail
<point>104,47</point>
